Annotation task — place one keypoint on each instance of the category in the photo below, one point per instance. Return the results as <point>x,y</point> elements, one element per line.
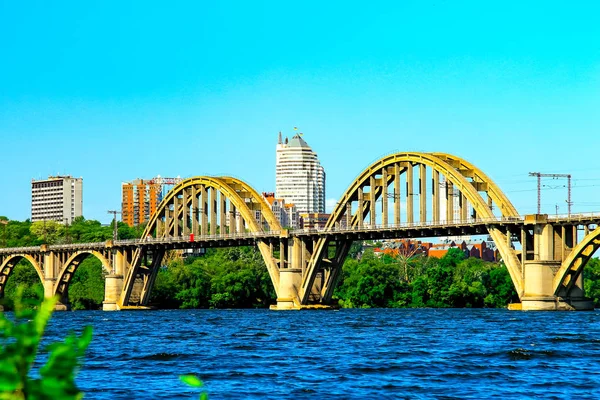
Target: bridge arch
<point>197,206</point>
<point>379,176</point>
<point>8,264</point>
<point>70,266</point>
<point>572,267</point>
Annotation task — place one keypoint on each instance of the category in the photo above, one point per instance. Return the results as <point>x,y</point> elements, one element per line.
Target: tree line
<point>238,277</point>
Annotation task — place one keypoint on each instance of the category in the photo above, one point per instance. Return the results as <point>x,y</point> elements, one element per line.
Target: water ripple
<point>383,354</point>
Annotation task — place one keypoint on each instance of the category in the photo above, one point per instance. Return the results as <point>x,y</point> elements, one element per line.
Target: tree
<point>48,231</point>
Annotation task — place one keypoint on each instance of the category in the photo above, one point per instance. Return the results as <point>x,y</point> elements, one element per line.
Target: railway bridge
<point>545,255</point>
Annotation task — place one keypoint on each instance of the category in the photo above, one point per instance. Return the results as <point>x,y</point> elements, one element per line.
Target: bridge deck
<point>404,230</point>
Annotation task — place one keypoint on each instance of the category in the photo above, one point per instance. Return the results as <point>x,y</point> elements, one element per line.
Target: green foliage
<point>19,346</point>
<point>451,281</point>
<point>21,234</point>
<point>225,278</point>
<point>24,278</point>
<point>195,382</point>
<point>86,290</point>
<point>591,280</point>
<point>49,231</point>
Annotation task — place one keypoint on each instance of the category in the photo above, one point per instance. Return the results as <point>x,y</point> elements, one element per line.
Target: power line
<point>539,177</point>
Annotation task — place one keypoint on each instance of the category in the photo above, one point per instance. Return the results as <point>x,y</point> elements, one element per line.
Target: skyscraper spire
<point>279,142</point>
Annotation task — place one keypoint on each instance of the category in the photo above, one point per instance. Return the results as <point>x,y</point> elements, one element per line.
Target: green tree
<point>86,290</point>
<point>48,231</point>
<point>25,282</point>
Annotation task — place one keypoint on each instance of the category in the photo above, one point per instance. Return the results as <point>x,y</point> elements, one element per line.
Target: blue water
<point>373,354</point>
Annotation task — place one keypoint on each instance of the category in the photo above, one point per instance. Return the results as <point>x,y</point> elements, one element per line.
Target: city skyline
<point>111,105</point>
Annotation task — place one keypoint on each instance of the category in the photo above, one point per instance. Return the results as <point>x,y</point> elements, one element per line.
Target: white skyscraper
<point>299,178</point>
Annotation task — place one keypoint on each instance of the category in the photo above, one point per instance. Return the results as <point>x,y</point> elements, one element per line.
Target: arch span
<point>572,267</point>
<point>8,264</point>
<point>70,266</point>
<point>459,174</point>
<point>200,206</point>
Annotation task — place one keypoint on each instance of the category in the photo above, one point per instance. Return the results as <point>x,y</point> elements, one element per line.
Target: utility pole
<point>3,222</point>
<point>114,213</point>
<point>539,177</point>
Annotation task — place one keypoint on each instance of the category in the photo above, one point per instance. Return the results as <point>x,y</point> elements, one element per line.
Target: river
<point>373,354</point>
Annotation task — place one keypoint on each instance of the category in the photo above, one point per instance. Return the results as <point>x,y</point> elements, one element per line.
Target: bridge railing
<point>574,217</point>
<point>200,238</point>
<point>409,225</point>
<point>366,227</point>
<point>13,250</point>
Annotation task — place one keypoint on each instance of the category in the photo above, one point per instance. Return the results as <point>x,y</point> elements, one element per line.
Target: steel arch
<point>573,265</point>
<point>239,194</point>
<point>438,162</point>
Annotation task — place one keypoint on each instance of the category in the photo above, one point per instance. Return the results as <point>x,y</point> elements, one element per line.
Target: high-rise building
<point>58,198</point>
<point>299,178</point>
<point>141,198</point>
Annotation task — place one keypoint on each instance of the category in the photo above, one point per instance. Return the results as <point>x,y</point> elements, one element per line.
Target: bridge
<point>545,256</point>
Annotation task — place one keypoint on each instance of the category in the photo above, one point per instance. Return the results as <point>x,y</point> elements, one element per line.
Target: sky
<point>112,91</point>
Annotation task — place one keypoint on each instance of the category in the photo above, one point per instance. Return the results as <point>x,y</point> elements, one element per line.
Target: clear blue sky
<point>116,90</point>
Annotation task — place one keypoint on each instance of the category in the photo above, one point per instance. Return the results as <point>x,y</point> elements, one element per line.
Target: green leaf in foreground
<point>19,341</point>
<point>195,382</point>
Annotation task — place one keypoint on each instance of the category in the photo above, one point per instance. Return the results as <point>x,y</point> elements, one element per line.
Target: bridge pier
<point>113,286</point>
<point>290,280</point>
<point>541,265</point>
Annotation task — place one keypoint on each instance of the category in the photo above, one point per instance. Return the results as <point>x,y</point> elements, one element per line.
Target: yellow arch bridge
<point>389,199</point>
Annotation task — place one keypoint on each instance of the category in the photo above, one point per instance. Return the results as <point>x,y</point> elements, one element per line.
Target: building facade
<point>314,220</point>
<point>299,177</point>
<point>141,197</point>
<point>286,214</point>
<point>58,198</point>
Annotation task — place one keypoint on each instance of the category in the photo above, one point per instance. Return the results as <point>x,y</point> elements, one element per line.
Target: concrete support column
<point>297,254</point>
<point>435,189</point>
<point>290,280</point>
<point>449,202</point>
<point>113,286</point>
<point>50,274</point>
<point>195,213</point>
<point>349,214</point>
<point>232,219</point>
<point>120,264</point>
<point>222,214</point>
<point>464,214</point>
<point>160,227</point>
<point>397,196</point>
<point>281,255</point>
<point>185,218</point>
<point>423,193</point>
<point>203,211</point>
<point>361,203</point>
<point>167,227</point>
<point>410,216</point>
<point>176,207</point>
<point>384,197</point>
<point>213,211</point>
<point>372,213</point>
